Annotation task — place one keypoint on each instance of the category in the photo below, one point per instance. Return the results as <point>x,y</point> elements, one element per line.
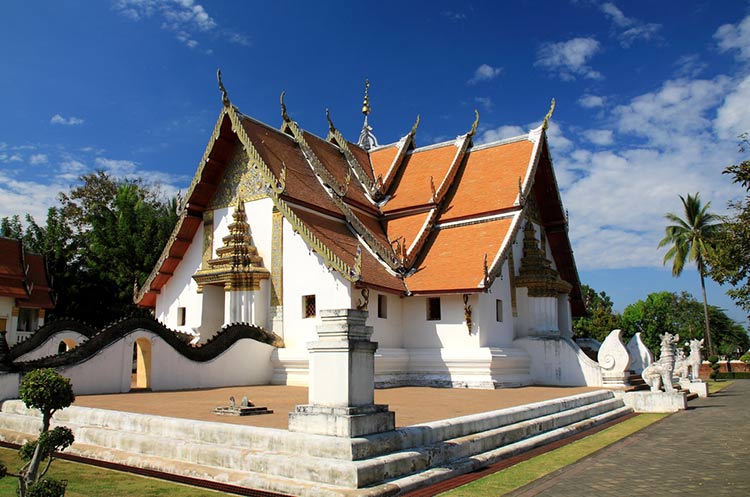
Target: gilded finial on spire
<point>475,124</point>
<point>549,114</point>
<point>366,103</point>
<point>224,95</point>
<point>284,115</point>
<point>331,127</point>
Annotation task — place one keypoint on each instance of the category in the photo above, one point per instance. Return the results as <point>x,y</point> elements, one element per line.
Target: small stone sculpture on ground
<point>246,408</point>
<point>694,360</point>
<point>660,372</point>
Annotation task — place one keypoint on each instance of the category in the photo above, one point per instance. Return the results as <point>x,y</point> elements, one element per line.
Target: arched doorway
<point>142,364</point>
<point>66,345</point>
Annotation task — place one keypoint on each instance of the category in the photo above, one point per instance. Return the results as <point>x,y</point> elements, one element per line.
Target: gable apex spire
<point>367,139</point>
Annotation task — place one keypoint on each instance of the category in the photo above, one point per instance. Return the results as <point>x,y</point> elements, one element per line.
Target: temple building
<point>25,293</point>
<point>458,251</point>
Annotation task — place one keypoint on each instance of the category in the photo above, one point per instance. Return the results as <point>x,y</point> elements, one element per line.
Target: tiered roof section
<point>23,276</point>
<point>402,219</point>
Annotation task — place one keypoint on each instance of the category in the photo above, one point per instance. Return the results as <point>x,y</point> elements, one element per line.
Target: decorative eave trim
<point>492,271</point>
<point>386,254</point>
<point>335,137</point>
<point>404,144</point>
<point>352,273</point>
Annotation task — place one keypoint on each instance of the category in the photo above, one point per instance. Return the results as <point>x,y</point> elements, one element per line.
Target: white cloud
<point>634,29</point>
<point>733,118</point>
<point>500,133</point>
<point>735,37</point>
<point>569,59</point>
<point>185,18</point>
<point>65,121</point>
<point>38,159</point>
<point>588,101</point>
<point>485,72</point>
<point>680,108</point>
<point>599,136</point>
<point>690,66</point>
<point>670,141</point>
<point>485,102</point>
<point>454,16</point>
<point>117,168</point>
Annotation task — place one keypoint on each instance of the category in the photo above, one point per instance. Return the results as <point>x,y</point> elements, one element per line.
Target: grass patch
<point>92,481</point>
<point>717,386</point>
<point>525,472</point>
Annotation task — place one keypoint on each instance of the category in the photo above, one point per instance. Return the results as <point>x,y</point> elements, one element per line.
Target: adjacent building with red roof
<point>25,293</point>
<point>460,252</point>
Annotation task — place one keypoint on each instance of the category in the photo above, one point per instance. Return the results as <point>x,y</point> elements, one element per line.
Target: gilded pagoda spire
<point>367,139</point>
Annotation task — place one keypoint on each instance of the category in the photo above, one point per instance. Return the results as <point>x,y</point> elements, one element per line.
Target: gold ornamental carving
<point>536,272</point>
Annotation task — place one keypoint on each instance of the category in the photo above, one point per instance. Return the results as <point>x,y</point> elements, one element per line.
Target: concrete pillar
<point>341,383</point>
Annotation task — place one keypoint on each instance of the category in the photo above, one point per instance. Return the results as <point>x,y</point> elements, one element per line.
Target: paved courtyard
<point>702,451</point>
<point>412,405</point>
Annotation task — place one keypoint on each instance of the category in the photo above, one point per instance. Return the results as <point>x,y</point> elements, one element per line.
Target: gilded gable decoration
<point>240,180</point>
<point>549,114</point>
<point>367,139</point>
<point>237,265</point>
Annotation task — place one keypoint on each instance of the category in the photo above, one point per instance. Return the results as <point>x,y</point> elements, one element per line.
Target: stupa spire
<point>367,139</point>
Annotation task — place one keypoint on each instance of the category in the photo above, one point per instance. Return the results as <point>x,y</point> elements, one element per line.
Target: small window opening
<point>308,306</point>
<point>433,309</point>
<point>383,306</point>
<point>499,310</point>
<point>181,316</point>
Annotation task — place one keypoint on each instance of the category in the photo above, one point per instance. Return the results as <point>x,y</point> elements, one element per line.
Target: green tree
<point>681,314</point>
<point>48,391</point>
<point>105,235</point>
<point>689,239</point>
<point>730,262</point>
<point>601,319</point>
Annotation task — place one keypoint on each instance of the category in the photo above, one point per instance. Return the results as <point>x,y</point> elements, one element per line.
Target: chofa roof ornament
<point>545,124</point>
<point>224,94</point>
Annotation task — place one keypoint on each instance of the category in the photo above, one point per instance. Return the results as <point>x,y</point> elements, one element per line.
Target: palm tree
<point>690,239</point>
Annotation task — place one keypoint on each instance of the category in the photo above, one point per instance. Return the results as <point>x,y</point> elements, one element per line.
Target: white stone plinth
<point>655,401</point>
<point>341,387</point>
<point>697,387</point>
<point>342,421</point>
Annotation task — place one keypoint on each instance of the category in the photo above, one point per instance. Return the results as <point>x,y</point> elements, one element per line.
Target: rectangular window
<point>499,310</point>
<point>180,316</point>
<point>308,306</point>
<point>383,306</point>
<point>433,309</point>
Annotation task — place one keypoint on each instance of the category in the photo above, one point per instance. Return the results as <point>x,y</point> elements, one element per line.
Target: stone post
<point>341,382</point>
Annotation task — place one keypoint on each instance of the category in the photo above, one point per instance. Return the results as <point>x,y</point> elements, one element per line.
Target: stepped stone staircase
<point>313,465</point>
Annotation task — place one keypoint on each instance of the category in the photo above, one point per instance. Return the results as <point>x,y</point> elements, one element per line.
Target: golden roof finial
<point>366,104</point>
<point>549,114</point>
<point>224,95</point>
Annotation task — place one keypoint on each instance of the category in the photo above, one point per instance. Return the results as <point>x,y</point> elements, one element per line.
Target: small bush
<point>742,375</point>
<point>745,358</point>
<point>46,488</point>
<point>714,361</point>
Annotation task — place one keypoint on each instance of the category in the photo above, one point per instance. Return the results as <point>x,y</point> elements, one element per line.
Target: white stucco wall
<point>449,332</point>
<point>247,362</point>
<point>50,346</point>
<point>559,361</point>
<point>9,384</point>
<point>6,308</point>
<point>182,291</point>
<point>305,273</point>
<point>491,332</point>
<point>388,332</point>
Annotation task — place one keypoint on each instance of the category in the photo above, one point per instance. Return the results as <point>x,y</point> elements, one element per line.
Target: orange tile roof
<point>455,260</point>
<point>489,181</point>
<point>413,187</point>
<point>364,160</point>
<point>382,159</point>
<point>406,227</point>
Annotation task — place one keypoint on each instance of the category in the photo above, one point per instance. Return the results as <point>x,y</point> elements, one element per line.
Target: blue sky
<point>650,97</point>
